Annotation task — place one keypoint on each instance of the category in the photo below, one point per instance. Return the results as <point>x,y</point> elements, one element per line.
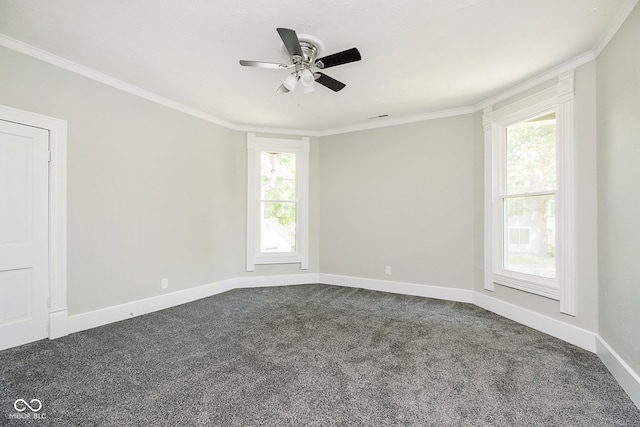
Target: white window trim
<point>561,99</point>
<point>255,145</point>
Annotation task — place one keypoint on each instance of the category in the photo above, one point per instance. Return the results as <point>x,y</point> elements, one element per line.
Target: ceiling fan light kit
<point>306,77</point>
<point>303,51</point>
<point>290,82</point>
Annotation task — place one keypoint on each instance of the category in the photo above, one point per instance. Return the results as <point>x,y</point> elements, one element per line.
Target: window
<point>277,202</point>
<point>529,206</point>
<point>517,206</point>
<point>530,180</point>
<point>519,237</point>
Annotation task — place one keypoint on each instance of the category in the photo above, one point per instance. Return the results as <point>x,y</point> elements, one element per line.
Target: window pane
<point>531,155</point>
<point>278,176</point>
<point>278,227</point>
<point>530,235</point>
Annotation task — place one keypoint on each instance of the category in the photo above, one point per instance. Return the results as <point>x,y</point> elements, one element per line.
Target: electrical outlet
<point>164,283</point>
<point>387,270</point>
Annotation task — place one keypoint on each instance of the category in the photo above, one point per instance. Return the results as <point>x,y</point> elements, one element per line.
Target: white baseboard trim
<point>58,323</point>
<point>278,280</point>
<point>61,324</point>
<point>427,291</point>
<point>564,331</point>
<point>116,313</point>
<point>104,316</point>
<point>626,377</point>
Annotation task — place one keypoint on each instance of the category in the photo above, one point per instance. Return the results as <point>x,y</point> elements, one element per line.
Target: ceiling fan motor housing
<point>311,48</point>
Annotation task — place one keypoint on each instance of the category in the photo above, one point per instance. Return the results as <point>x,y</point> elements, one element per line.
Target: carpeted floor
<point>312,355</point>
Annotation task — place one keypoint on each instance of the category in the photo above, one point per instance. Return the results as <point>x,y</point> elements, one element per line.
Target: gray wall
<point>411,197</point>
<point>402,197</point>
<point>619,191</point>
<point>152,192</point>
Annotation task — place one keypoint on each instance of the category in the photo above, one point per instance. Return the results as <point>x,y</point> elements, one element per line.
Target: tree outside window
<point>530,181</point>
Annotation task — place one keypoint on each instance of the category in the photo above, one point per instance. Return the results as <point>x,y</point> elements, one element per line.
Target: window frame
<point>300,147</point>
<point>558,98</point>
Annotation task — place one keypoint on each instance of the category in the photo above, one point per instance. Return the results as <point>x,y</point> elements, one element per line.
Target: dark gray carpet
<point>313,355</point>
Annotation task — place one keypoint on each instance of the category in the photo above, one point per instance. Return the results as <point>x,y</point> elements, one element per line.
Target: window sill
<point>544,287</point>
<point>264,259</point>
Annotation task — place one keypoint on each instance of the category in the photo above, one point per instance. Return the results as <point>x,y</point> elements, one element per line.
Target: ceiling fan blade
<point>344,57</point>
<point>282,89</point>
<point>329,82</point>
<point>290,40</point>
<point>261,64</point>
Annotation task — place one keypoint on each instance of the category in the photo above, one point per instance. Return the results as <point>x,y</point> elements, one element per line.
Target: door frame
<point>58,314</point>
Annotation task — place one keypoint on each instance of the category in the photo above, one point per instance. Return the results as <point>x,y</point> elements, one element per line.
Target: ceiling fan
<point>303,51</point>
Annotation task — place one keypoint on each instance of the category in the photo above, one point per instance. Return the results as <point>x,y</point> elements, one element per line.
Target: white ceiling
<point>418,56</point>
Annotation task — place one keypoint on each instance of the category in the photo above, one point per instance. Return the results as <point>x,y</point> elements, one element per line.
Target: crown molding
<point>92,74</point>
<point>392,121</point>
<point>618,20</point>
<point>551,74</point>
<point>515,90</point>
<point>279,131</point>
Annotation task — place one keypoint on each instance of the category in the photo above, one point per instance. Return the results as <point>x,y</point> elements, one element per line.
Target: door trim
<point>58,314</point>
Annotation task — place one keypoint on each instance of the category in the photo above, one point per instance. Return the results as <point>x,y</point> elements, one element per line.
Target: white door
<point>24,206</point>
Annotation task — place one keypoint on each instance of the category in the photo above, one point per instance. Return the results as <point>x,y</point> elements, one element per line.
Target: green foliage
<point>284,212</point>
<point>531,167</point>
<point>279,186</point>
<point>531,158</point>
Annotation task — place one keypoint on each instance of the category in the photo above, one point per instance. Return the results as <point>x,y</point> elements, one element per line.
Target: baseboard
<point>626,377</point>
<point>427,291</point>
<point>61,324</point>
<point>104,316</point>
<point>564,331</point>
<point>277,280</point>
<point>58,323</point>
